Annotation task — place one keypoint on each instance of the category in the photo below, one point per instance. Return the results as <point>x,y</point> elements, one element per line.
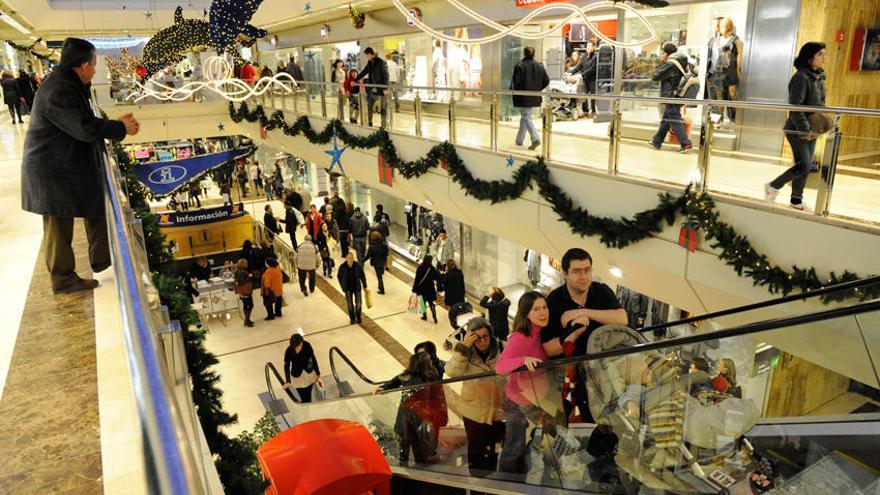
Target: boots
<point>247,318</point>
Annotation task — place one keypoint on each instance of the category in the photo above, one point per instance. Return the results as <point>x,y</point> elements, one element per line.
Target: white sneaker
<point>770,193</point>
<point>801,207</point>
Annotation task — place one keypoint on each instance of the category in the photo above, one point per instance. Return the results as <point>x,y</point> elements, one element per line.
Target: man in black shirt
<point>270,222</point>
<point>578,307</point>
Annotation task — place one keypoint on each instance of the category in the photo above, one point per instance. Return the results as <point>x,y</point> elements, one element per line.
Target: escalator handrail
<point>271,368</point>
<point>345,358</point>
<point>853,284</point>
<point>762,326</point>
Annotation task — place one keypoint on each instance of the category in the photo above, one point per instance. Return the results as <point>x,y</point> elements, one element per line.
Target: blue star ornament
<point>509,160</point>
<point>336,154</point>
<point>148,15</point>
<point>221,127</point>
<point>307,7</point>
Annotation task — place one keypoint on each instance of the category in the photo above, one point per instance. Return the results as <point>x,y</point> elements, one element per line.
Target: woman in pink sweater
<point>525,391</point>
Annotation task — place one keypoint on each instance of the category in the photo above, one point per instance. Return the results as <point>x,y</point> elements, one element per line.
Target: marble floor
<point>584,143</point>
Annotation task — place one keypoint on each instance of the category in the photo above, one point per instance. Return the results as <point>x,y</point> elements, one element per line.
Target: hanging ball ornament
<point>216,68</point>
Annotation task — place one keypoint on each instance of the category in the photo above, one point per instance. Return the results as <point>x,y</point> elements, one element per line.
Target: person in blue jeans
<point>669,75</point>
<point>806,87</point>
<point>528,75</point>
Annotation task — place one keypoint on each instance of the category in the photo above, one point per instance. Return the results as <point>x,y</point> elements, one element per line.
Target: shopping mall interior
<point>440,247</point>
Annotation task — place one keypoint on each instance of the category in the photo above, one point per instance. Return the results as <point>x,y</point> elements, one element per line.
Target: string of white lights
<point>218,79</point>
<point>516,29</point>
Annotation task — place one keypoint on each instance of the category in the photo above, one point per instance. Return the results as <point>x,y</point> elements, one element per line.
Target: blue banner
<point>204,215</point>
<point>163,178</point>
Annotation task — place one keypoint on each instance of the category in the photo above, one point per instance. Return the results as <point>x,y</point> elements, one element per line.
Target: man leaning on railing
<point>61,170</point>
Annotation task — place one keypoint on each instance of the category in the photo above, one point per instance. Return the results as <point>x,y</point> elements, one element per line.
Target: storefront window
<point>313,67</point>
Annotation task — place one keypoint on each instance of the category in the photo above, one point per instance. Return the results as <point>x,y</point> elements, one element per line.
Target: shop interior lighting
<point>218,78</point>
<point>615,271</point>
<point>519,30</point>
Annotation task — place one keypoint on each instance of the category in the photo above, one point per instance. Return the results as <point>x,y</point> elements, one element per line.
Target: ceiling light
<point>616,271</point>
<point>12,22</point>
<point>430,203</point>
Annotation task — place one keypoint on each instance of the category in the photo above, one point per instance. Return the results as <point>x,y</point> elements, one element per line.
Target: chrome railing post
<point>417,111</point>
<point>708,129</point>
<point>547,131</point>
<point>272,99</point>
<point>308,100</point>
<point>493,122</point>
<point>340,105</point>
<point>614,138</point>
<point>828,169</point>
<point>362,105</point>
<point>323,102</point>
<point>295,102</point>
<point>451,118</point>
<point>284,100</point>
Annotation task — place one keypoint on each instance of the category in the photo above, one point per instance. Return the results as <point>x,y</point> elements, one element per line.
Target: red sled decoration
<point>386,171</point>
<point>688,236</point>
<point>443,164</point>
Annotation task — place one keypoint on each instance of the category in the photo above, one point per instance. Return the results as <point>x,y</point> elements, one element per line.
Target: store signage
<point>536,3</point>
<point>414,13</point>
<point>204,215</point>
<point>163,178</point>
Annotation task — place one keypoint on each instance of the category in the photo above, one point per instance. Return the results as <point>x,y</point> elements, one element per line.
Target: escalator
<point>663,429</point>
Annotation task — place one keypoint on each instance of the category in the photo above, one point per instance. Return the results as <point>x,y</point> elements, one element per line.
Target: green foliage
<point>733,248</point>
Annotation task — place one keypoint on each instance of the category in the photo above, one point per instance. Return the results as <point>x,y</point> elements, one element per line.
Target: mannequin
<point>725,66</point>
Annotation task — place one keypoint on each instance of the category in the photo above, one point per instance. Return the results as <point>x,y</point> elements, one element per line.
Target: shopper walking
<point>326,246</point>
<point>291,223</point>
<point>12,96</point>
<point>313,221</point>
<point>27,89</point>
<point>351,279</point>
<point>586,67</point>
<point>307,260</point>
<point>498,305</point>
<point>273,289</point>
<point>340,213</point>
<point>376,72</point>
<point>337,77</point>
<point>360,227</point>
<point>301,370</point>
<point>528,75</point>
<point>423,286</point>
<point>453,283</point>
<point>444,251</point>
<point>669,74</point>
<point>352,89</point>
<point>806,87</point>
<point>393,79</point>
<point>61,177</point>
<point>244,287</point>
<point>377,255</point>
<point>479,403</point>
<point>382,222</point>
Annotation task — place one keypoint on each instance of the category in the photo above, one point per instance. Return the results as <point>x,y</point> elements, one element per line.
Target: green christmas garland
<point>699,208</point>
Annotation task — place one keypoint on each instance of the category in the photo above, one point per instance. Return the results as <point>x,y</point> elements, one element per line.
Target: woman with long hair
<point>244,287</point>
<point>529,397</point>
<point>422,408</point>
<point>424,285</point>
<point>806,87</point>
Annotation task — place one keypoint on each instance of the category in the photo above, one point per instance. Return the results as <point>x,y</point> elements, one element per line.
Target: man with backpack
<point>670,74</point>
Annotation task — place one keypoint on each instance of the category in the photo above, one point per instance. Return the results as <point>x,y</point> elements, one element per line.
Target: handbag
<point>368,298</point>
<point>422,306</point>
<point>820,122</point>
<point>304,380</point>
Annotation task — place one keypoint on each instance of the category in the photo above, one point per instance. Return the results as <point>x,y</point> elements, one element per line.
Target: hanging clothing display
<point>533,266</point>
<point>641,310</point>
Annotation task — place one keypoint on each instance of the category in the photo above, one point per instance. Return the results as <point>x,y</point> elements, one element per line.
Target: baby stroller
<point>675,433</point>
<point>459,316</point>
<point>564,107</point>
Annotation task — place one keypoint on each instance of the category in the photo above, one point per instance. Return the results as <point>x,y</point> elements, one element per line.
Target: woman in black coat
<point>498,305</point>
<point>11,96</point>
<point>26,88</point>
<point>453,282</point>
<point>423,285</point>
<point>301,369</point>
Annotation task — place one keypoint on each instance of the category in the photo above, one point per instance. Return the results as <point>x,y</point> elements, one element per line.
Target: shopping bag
<point>368,298</point>
<point>422,306</point>
<point>413,305</point>
<point>688,125</point>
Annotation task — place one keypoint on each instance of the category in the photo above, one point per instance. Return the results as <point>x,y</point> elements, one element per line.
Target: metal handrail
<point>844,286</point>
<point>174,467</point>
<point>336,350</point>
<point>274,371</point>
<point>752,328</point>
